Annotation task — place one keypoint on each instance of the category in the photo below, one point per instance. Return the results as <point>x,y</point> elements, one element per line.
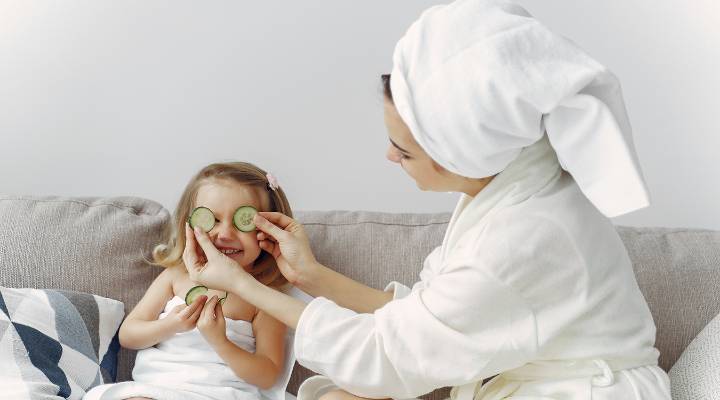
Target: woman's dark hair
<point>385,78</point>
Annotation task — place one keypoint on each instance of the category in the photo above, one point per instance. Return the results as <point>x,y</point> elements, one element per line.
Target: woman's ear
<point>440,169</point>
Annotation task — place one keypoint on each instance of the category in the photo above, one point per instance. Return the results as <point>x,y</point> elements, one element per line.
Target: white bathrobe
<point>531,282</point>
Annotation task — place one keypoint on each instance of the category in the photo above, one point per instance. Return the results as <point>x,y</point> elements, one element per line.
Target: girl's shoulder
<point>176,276</point>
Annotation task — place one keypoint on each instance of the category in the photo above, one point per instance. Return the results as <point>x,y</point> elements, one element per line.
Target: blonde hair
<point>170,253</point>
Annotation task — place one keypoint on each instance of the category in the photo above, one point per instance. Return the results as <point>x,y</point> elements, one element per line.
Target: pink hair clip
<point>272,181</point>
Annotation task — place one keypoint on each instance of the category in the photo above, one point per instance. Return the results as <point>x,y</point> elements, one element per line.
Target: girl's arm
<point>261,368</point>
<point>142,329</point>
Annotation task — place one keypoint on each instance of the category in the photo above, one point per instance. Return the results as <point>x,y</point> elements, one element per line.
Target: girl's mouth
<point>228,252</point>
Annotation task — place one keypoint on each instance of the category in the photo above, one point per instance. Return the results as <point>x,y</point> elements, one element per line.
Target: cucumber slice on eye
<point>243,218</point>
<point>202,217</point>
<point>222,300</point>
<point>194,293</point>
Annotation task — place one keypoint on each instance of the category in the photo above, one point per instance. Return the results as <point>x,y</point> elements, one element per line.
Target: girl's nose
<point>225,232</point>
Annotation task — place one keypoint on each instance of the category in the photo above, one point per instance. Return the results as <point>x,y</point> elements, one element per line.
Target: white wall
<point>101,97</point>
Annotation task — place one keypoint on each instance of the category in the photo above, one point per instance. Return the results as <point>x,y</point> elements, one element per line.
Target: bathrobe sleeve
<point>460,326</point>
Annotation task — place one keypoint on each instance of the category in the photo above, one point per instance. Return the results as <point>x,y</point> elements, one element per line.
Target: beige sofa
<point>98,245</point>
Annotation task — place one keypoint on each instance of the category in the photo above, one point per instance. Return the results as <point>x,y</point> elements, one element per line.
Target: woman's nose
<point>393,154</point>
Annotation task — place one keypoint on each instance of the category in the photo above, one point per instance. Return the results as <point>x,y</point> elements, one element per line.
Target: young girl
<point>210,349</point>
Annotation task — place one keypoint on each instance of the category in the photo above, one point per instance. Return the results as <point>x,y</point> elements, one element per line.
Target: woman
<point>531,284</point>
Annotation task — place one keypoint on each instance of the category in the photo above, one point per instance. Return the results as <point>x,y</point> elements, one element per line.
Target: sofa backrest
<point>92,245</point>
<point>678,271</point>
<point>98,245</point>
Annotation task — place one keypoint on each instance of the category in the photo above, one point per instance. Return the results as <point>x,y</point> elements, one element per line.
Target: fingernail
<point>259,218</point>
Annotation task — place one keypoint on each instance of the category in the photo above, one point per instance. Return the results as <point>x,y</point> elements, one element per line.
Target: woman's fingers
<point>206,244</point>
<point>270,228</point>
<point>271,247</point>
<point>264,236</point>
<point>266,242</point>
<point>190,253</point>
<point>279,219</point>
<point>267,245</point>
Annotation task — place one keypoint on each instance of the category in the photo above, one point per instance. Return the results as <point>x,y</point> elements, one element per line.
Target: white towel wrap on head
<point>478,80</point>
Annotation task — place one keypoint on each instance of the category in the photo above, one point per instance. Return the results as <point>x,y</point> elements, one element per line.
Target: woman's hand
<point>212,322</point>
<point>183,318</point>
<point>286,240</point>
<point>215,270</point>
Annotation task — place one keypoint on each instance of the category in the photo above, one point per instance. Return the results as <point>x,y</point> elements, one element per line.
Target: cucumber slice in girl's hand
<point>194,293</point>
<point>198,291</point>
<point>202,217</point>
<point>243,218</point>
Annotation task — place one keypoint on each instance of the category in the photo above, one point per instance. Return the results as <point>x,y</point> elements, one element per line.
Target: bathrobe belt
<point>601,372</point>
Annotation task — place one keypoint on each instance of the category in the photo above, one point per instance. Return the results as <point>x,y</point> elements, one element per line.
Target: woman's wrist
<point>242,283</point>
<point>311,280</point>
<point>315,280</point>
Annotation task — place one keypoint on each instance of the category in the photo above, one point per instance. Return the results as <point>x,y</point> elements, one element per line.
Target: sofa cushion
<point>696,374</point>
<point>92,245</point>
<point>374,248</point>
<point>678,271</point>
<point>56,342</point>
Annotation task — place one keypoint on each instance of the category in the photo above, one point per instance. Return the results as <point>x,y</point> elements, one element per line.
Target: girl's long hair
<point>170,252</point>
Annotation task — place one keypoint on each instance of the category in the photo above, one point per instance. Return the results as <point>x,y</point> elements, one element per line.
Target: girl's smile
<point>223,197</point>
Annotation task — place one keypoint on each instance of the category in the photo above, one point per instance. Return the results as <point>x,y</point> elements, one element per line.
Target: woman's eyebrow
<point>398,147</point>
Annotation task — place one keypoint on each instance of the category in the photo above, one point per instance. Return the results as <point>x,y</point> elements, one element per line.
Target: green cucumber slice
<point>243,218</point>
<point>194,293</point>
<point>198,291</point>
<point>202,217</point>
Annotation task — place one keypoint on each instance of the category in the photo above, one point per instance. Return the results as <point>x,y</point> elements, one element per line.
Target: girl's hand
<point>215,270</point>
<point>212,322</point>
<point>286,240</point>
<point>183,318</point>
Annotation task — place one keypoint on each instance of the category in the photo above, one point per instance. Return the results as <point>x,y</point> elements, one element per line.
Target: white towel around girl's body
<point>185,366</point>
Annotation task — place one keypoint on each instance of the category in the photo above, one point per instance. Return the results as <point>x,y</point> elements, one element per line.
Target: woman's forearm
<point>254,369</point>
<point>282,307</point>
<point>137,334</point>
<point>347,293</point>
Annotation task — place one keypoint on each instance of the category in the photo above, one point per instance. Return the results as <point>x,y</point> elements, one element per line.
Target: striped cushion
<point>56,343</point>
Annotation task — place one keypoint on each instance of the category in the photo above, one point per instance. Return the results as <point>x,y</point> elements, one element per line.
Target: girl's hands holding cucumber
<point>286,240</point>
<point>214,270</point>
<point>211,323</point>
<point>183,318</point>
